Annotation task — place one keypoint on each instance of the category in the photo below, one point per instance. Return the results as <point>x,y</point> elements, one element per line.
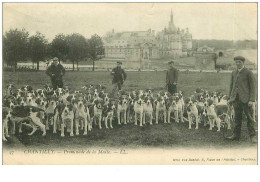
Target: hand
<point>52,74</point>
<point>250,103</point>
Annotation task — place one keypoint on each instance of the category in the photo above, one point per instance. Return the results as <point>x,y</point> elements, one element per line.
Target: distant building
<point>171,42</point>
<point>205,48</point>
<point>131,45</point>
<point>205,58</point>
<point>225,59</point>
<point>209,59</point>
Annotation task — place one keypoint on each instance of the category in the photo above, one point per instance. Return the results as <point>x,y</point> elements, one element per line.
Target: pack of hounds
<point>73,113</point>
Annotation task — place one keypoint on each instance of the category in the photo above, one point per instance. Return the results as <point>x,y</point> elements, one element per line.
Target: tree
<point>59,47</point>
<point>95,48</point>
<point>77,48</point>
<point>15,47</point>
<point>37,48</point>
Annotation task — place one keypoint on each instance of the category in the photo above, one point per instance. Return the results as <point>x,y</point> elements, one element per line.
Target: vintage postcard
<point>129,83</point>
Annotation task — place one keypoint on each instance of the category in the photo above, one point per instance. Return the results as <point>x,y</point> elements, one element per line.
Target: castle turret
<point>171,16</point>
<point>172,27</point>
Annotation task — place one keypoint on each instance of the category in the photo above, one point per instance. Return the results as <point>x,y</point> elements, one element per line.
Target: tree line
<point>224,44</point>
<point>19,46</point>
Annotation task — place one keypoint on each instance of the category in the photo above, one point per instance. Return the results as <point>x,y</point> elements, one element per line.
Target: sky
<point>221,21</point>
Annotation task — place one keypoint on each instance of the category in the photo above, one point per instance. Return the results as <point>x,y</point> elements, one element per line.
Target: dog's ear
<point>71,107</point>
<point>96,102</point>
<point>210,102</point>
<point>103,87</point>
<point>187,100</point>
<point>37,101</point>
<point>102,102</point>
<point>193,99</point>
<point>69,98</point>
<point>101,95</point>
<point>151,99</point>
<point>29,88</point>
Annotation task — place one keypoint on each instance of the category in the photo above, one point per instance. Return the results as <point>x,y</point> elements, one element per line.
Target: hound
<point>148,110</point>
<point>160,107</point>
<point>139,109</point>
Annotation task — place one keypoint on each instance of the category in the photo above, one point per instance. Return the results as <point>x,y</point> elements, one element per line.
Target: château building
<point>171,42</point>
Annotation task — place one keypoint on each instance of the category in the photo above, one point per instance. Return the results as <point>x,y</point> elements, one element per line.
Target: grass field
<point>162,135</point>
<point>188,82</point>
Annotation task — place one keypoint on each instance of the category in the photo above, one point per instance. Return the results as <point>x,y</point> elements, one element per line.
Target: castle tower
<point>188,37</point>
<point>171,16</point>
<point>171,27</point>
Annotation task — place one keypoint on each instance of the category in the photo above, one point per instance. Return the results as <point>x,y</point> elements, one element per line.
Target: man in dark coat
<point>172,75</point>
<point>242,95</point>
<point>56,71</point>
<point>119,77</point>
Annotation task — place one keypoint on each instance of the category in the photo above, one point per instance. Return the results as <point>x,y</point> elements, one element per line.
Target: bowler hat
<point>170,62</point>
<point>241,58</point>
<point>119,62</point>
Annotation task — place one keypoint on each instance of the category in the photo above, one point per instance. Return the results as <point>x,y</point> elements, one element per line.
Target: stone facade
<point>171,42</point>
<point>205,58</point>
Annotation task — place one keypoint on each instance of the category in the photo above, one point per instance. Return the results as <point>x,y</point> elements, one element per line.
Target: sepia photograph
<point>130,83</point>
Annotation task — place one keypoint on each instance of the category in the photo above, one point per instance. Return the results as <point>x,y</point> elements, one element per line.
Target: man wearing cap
<point>242,95</point>
<point>172,78</point>
<point>119,77</point>
<point>56,71</point>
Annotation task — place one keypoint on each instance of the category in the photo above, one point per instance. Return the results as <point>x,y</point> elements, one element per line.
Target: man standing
<point>242,96</point>
<point>56,71</point>
<point>119,77</point>
<point>172,78</point>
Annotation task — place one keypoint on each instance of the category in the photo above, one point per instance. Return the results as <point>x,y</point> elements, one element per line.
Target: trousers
<point>116,87</point>
<point>172,88</point>
<point>56,83</point>
<point>239,108</point>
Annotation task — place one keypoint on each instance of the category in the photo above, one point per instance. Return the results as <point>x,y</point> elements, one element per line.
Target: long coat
<point>243,84</point>
<point>119,75</point>
<point>172,76</point>
<point>58,71</point>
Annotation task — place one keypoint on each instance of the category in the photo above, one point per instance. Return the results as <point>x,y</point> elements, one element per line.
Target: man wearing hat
<point>242,95</point>
<point>56,71</point>
<point>119,77</point>
<point>172,78</point>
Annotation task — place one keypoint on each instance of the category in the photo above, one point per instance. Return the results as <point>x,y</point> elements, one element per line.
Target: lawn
<point>188,81</point>
<point>162,135</point>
